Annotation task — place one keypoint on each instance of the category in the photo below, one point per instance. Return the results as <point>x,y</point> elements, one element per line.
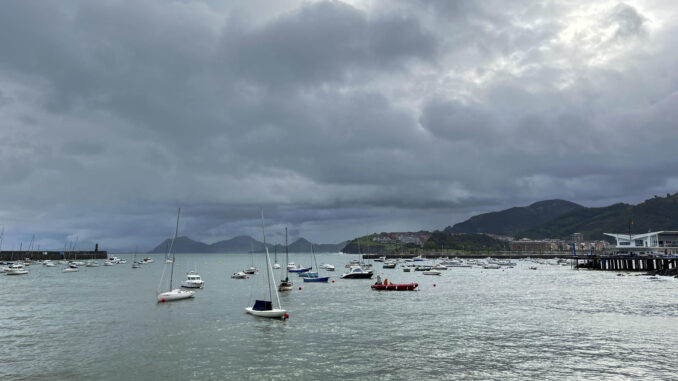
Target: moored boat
<point>239,275</point>
<point>395,287</point>
<point>323,279</point>
<point>357,272</point>
<point>193,280</point>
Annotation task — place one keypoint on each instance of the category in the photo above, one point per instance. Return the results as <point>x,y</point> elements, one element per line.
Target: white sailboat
<point>264,308</point>
<point>286,285</point>
<point>276,265</point>
<point>177,293</point>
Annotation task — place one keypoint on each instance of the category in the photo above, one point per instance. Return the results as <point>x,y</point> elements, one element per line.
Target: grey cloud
<point>335,119</point>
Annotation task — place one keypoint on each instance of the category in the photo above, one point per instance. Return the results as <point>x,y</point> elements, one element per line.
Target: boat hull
<point>395,287</point>
<point>317,280</point>
<point>17,272</point>
<point>431,272</point>
<point>357,276</point>
<point>173,295</point>
<point>192,284</point>
<point>275,313</point>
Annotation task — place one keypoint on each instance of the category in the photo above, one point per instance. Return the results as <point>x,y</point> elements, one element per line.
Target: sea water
<point>104,323</point>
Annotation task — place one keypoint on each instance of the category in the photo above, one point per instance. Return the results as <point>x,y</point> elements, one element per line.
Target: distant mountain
<point>181,245</point>
<point>658,213</point>
<point>243,244</point>
<point>515,219</point>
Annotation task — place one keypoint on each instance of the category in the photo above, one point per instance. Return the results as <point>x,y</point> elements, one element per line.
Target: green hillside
<point>658,213</point>
<point>514,219</point>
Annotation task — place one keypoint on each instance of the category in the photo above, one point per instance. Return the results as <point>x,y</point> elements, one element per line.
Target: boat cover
<point>262,305</point>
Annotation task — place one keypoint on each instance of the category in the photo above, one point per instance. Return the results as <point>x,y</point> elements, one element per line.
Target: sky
<point>337,118</point>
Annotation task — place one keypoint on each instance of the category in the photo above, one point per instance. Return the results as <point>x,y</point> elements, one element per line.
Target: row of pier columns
<point>631,264</point>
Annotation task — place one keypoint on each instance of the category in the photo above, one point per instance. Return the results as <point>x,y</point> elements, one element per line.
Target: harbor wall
<point>52,255</point>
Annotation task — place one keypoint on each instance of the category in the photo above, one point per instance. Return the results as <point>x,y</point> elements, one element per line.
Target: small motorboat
<point>135,265</point>
<point>176,294</point>
<point>193,280</point>
<point>407,269</point>
<point>146,260</point>
<point>439,266</point>
<point>276,266</point>
<point>250,270</point>
<point>329,267</point>
<point>422,268</point>
<point>48,263</point>
<point>71,268</point>
<point>16,269</point>
<point>380,259</point>
<point>394,287</point>
<point>92,263</point>
<point>431,272</point>
<point>109,263</point>
<point>291,266</point>
<point>239,275</point>
<point>491,266</point>
<point>357,272</point>
<point>389,265</point>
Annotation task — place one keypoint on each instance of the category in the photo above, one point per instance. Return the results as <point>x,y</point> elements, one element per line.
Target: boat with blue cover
<point>324,279</point>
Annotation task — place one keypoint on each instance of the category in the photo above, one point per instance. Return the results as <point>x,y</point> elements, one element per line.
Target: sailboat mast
<point>269,269</point>
<point>176,232</point>
<point>287,258</point>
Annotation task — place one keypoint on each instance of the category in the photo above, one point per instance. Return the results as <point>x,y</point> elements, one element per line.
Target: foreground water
<point>553,323</point>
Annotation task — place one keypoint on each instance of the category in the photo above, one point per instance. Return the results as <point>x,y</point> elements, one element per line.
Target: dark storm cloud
<point>336,118</point>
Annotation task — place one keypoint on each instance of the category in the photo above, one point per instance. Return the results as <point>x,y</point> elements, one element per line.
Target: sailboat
<point>286,285</point>
<point>177,293</point>
<point>264,308</point>
<point>251,269</point>
<point>135,263</point>
<point>276,265</point>
<point>315,277</point>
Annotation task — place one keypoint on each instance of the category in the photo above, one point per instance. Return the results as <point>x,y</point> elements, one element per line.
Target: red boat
<point>395,287</point>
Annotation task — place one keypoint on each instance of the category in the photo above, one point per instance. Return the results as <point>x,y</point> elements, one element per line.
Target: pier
<point>35,255</point>
<point>644,263</point>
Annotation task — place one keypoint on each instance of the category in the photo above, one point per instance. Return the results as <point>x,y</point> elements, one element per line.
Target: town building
<point>659,242</point>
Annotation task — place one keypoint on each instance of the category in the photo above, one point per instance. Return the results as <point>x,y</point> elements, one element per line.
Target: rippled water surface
<point>554,323</point>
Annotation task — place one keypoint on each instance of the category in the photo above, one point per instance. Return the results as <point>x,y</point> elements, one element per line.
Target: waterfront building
<point>659,242</point>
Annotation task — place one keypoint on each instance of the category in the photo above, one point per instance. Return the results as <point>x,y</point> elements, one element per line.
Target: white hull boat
<point>239,275</point>
<point>16,269</point>
<point>70,270</point>
<point>265,308</point>
<point>193,280</point>
<point>177,293</point>
<point>274,313</point>
<point>277,266</point>
<point>108,263</point>
<point>17,272</point>
<point>432,272</point>
<point>173,295</point>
